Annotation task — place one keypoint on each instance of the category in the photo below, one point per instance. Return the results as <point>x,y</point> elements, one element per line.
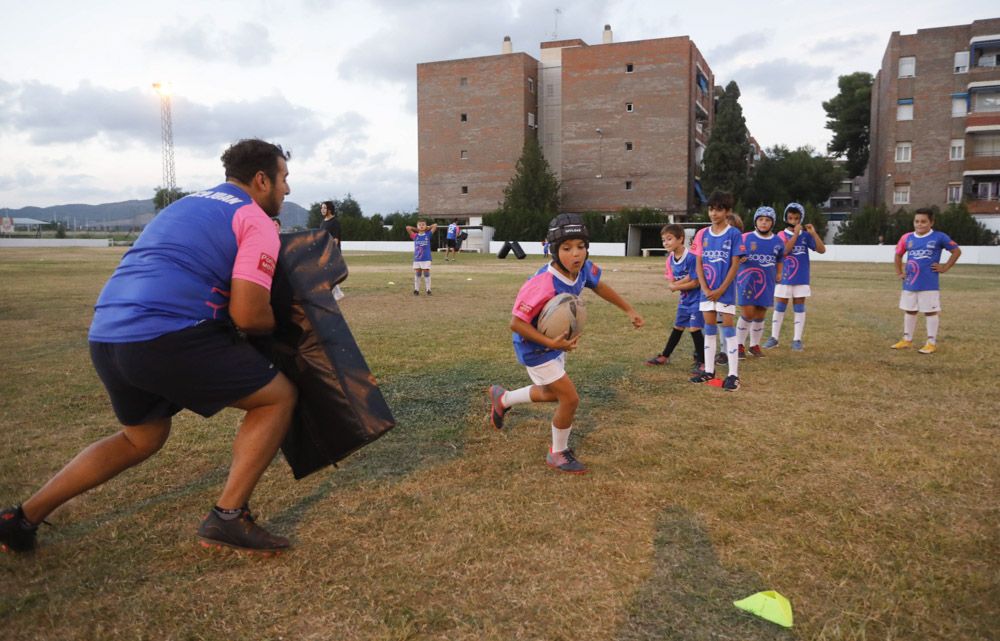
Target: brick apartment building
<point>621,124</point>
<point>935,124</point>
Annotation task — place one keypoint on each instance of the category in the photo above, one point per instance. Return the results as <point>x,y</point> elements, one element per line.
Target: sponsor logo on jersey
<point>525,308</point>
<point>266,264</point>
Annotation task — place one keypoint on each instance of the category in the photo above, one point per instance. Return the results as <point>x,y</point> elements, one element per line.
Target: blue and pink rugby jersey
<point>922,252</point>
<point>796,267</point>
<point>180,270</point>
<point>421,246</point>
<point>676,270</point>
<point>538,290</point>
<point>717,255</point>
<point>756,278</point>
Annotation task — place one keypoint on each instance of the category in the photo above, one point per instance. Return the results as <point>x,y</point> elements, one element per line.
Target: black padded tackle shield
<point>340,407</point>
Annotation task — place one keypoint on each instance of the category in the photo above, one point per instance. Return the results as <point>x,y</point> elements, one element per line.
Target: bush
<point>865,227</point>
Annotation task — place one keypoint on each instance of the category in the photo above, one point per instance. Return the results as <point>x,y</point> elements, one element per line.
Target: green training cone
<point>768,605</point>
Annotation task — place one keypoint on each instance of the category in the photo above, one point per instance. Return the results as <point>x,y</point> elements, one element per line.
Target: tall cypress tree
<point>531,198</point>
<point>727,155</point>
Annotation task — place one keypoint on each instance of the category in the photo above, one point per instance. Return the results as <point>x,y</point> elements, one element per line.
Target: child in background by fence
<point>421,237</point>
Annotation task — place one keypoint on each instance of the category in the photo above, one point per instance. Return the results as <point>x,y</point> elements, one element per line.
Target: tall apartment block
<point>620,124</point>
<point>935,123</point>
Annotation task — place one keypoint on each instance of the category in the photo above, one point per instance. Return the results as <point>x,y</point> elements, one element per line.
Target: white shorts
<point>549,372</point>
<point>927,301</point>
<point>421,264</point>
<point>792,291</point>
<point>715,306</point>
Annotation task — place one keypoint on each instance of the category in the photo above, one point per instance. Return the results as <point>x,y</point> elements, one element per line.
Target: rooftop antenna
<point>555,29</point>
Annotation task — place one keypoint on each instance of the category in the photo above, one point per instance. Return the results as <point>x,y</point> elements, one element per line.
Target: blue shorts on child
<point>689,316</point>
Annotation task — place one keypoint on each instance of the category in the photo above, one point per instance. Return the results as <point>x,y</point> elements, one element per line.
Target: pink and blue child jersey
<point>922,252</point>
<point>756,278</point>
<point>538,290</point>
<point>718,251</point>
<point>179,272</point>
<point>688,314</point>
<point>421,246</point>
<point>796,264</point>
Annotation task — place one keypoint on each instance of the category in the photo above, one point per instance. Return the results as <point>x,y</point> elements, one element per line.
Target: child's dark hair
<point>674,230</point>
<point>926,211</point>
<point>720,200</point>
<point>245,158</point>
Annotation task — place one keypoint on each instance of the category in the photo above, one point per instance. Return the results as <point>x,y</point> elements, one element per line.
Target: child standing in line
<point>421,237</point>
<point>545,358</point>
<point>716,270</point>
<point>921,283</point>
<point>795,279</point>
<point>680,274</point>
<point>757,277</point>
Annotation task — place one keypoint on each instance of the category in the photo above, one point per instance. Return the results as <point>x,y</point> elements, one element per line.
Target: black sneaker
<point>416,293</point>
<point>497,410</point>
<point>565,461</point>
<point>732,383</point>
<point>428,292</point>
<point>702,377</point>
<point>16,535</point>
<point>241,533</point>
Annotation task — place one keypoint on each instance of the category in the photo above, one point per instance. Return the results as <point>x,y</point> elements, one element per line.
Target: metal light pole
<point>167,135</point>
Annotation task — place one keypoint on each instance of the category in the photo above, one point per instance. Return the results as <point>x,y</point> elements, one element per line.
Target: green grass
<point>859,482</point>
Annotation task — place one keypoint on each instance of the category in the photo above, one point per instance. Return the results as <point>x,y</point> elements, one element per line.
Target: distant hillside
<point>129,213</point>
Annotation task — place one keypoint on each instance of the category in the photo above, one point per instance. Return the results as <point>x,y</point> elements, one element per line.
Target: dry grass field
<point>861,483</point>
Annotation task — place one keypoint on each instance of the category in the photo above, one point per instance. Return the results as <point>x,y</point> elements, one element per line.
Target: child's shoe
<point>659,359</point>
<point>721,358</point>
<point>241,533</point>
<point>497,410</point>
<point>428,292</point>
<point>697,368</point>
<point>732,383</point>
<point>16,535</point>
<point>416,293</point>
<point>929,348</point>
<point>755,351</point>
<point>743,352</point>
<point>703,377</point>
<point>902,344</point>
<point>565,461</point>
<point>771,343</point>
<point>797,346</point>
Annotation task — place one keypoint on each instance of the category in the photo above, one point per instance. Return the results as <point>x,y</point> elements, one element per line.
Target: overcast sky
<point>335,82</point>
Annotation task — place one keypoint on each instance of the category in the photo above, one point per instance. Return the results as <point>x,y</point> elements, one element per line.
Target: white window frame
<point>904,112</point>
<point>628,185</point>
<point>629,107</point>
<point>531,120</point>
<point>629,146</point>
<point>954,194</point>
<point>901,194</point>
<point>531,85</point>
<point>463,154</point>
<point>629,67</point>
<point>907,64</point>
<point>904,151</point>
<point>980,141</point>
<point>961,62</point>
<point>959,107</point>
<point>956,150</point>
<point>986,102</point>
<point>465,190</point>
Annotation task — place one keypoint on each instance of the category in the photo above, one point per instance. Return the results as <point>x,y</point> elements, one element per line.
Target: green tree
<point>531,198</point>
<point>163,196</point>
<point>727,154</point>
<point>849,117</point>
<point>799,175</point>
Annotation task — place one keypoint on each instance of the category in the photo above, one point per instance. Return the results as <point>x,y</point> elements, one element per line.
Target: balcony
<point>982,190</point>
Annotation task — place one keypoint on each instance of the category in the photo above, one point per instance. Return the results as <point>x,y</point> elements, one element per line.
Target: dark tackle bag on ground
<point>504,250</point>
<point>340,407</point>
<point>518,252</point>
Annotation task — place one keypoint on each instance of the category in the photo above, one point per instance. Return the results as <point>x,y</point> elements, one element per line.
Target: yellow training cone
<point>768,605</point>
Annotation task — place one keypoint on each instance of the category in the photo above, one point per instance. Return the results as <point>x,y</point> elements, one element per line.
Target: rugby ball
<point>563,313</point>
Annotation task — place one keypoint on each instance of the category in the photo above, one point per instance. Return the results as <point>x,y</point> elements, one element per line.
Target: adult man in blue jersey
<point>168,333</point>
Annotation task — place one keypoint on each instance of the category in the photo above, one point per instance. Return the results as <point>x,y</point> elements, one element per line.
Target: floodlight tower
<point>167,131</point>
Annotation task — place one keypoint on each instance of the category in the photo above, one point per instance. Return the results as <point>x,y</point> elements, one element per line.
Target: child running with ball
<point>545,358</point>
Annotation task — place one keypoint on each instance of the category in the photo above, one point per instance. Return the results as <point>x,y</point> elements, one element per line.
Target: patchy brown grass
<point>859,482</point>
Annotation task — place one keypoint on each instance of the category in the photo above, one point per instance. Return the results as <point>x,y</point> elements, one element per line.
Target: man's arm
<point>250,307</point>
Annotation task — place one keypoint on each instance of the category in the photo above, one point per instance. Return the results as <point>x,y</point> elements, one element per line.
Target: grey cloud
<point>247,43</point>
<point>743,42</point>
<point>847,46</point>
<point>780,79</point>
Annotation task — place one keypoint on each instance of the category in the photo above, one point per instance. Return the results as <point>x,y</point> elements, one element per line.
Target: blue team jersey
<point>421,246</point>
<point>679,269</point>
<point>796,269</point>
<point>538,290</point>
<point>452,231</point>
<point>922,252</point>
<point>756,278</point>
<point>717,255</point>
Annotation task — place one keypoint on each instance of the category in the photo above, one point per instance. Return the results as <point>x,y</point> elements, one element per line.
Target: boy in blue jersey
<point>680,274</point>
<point>721,248</point>
<point>921,285</point>
<point>451,240</point>
<point>756,278</point>
<point>421,237</point>
<point>545,358</point>
<point>795,279</point>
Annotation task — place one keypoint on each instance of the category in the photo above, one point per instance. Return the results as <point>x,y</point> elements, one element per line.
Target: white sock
<point>800,325</point>
<point>710,352</point>
<point>742,329</point>
<point>776,320</point>
<point>427,281</point>
<point>560,438</point>
<point>416,282</point>
<point>733,355</point>
<point>516,396</point>
<point>932,327</point>
<point>909,326</point>
<point>756,332</point>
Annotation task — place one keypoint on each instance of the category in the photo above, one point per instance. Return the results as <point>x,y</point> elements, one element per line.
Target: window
<point>531,120</point>
<point>959,106</point>
<point>465,189</point>
<point>628,185</point>
<point>903,151</point>
<point>954,192</point>
<point>986,101</point>
<point>629,67</point>
<point>901,195</point>
<point>957,151</point>
<point>464,155</point>
<point>628,146</point>
<point>531,85</point>
<point>628,107</point>
<point>904,112</point>
<point>907,67</point>
<point>464,118</point>
<point>986,145</point>
<point>463,81</point>
<point>961,62</point>
<point>986,190</point>
<point>699,127</point>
